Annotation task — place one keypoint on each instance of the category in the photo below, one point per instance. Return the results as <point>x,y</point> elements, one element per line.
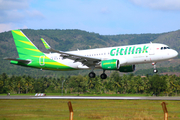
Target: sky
<point>105,17</point>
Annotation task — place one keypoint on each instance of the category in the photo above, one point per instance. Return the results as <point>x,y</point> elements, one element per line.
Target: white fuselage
<point>127,55</point>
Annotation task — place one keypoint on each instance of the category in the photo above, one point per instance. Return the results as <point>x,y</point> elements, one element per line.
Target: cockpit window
<point>163,48</point>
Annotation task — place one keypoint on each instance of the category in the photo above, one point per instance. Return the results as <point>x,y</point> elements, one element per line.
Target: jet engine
<point>112,64</point>
<point>127,68</point>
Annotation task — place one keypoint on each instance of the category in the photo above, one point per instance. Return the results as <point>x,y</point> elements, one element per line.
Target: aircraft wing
<point>89,61</point>
<point>18,59</point>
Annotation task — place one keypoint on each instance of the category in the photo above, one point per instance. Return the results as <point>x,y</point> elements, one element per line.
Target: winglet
<point>45,44</point>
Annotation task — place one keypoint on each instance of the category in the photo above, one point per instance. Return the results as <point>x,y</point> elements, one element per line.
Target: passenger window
<point>165,47</point>
<point>161,48</point>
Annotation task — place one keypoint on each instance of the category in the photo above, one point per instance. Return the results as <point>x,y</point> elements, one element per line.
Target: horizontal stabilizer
<point>18,59</point>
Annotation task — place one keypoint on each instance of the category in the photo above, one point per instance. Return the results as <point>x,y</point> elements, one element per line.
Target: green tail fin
<point>24,46</point>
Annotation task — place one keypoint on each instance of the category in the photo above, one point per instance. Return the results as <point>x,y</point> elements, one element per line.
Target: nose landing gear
<point>155,69</point>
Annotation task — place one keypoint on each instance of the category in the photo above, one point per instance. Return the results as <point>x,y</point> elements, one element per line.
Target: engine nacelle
<point>127,68</point>
<point>112,64</point>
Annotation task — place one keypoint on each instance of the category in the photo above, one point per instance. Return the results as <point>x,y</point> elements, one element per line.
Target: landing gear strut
<point>155,70</point>
<point>92,74</point>
<point>103,75</point>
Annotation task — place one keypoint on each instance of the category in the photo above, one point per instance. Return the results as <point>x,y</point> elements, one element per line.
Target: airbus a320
<point>119,58</point>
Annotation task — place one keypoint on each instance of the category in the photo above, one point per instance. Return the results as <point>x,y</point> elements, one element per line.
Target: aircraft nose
<point>175,53</point>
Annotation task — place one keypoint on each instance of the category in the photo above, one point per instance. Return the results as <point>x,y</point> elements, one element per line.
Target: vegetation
<point>115,84</point>
<point>76,39</point>
<point>160,70</point>
<point>87,110</point>
<point>20,80</point>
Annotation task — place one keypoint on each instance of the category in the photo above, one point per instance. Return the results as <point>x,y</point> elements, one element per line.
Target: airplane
<point>119,58</point>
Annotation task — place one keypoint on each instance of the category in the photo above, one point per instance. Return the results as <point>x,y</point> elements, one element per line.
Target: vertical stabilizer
<point>25,47</point>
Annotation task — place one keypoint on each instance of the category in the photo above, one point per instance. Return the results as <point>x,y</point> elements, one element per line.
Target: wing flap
<point>77,58</point>
<point>89,61</point>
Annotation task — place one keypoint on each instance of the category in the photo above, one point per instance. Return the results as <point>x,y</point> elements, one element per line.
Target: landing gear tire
<point>92,75</point>
<point>103,76</point>
<point>155,70</point>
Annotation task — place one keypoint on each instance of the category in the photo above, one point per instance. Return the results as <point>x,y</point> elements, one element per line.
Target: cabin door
<point>151,50</point>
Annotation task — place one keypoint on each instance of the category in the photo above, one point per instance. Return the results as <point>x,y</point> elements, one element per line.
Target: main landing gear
<point>155,69</point>
<point>93,75</point>
<point>103,75</point>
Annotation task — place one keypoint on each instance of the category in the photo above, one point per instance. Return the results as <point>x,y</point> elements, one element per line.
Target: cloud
<point>8,16</point>
<point>5,27</point>
<point>13,4</point>
<point>10,26</point>
<point>34,14</point>
<point>14,12</point>
<point>105,10</point>
<point>159,4</point>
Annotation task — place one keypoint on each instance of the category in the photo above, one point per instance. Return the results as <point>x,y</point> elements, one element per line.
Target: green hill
<point>77,39</point>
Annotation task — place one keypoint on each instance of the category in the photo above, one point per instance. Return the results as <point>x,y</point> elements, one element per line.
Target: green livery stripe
<point>27,50</point>
<point>54,63</point>
<point>45,44</point>
<point>24,46</point>
<point>29,43</point>
<point>40,56</point>
<point>35,50</point>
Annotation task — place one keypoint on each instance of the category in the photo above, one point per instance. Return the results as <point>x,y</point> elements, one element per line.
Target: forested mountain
<point>76,39</point>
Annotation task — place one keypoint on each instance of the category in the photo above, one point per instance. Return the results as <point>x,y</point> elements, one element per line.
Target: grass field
<point>87,110</point>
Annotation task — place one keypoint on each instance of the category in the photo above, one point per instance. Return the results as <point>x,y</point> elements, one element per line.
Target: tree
<point>158,84</point>
<point>116,79</point>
